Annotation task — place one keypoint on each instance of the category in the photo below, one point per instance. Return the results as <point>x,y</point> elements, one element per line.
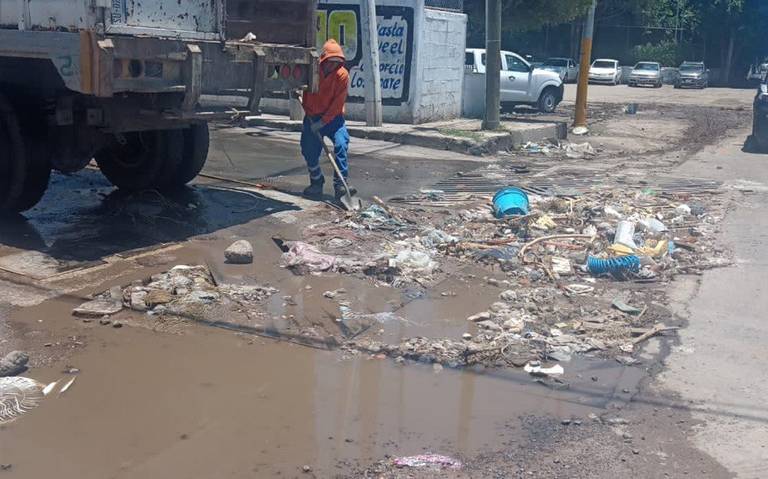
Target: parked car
<point>567,68</point>
<point>605,70</point>
<point>646,73</point>
<point>521,84</point>
<point>759,136</point>
<point>692,74</point>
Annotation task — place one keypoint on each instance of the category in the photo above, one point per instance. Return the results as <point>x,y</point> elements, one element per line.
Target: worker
<point>324,117</point>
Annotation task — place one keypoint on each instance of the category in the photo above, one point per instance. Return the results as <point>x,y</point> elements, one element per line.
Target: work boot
<point>314,190</point>
<point>339,191</point>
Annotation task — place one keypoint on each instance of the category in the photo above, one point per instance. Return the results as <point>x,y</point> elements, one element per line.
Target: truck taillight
<point>298,72</point>
<point>285,72</point>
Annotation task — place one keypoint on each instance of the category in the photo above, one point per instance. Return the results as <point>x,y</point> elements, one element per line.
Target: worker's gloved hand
<point>317,125</point>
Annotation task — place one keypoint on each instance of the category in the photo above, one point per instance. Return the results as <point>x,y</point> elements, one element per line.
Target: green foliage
<point>526,15</point>
<point>666,52</point>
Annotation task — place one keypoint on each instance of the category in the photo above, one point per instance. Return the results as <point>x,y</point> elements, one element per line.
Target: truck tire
<point>196,144</point>
<point>24,167</point>
<point>548,100</point>
<point>144,160</point>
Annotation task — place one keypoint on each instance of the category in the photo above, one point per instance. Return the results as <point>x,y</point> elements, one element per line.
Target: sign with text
<point>395,26</point>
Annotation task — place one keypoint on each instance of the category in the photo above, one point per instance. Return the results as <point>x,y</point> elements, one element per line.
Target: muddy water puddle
<point>211,403</point>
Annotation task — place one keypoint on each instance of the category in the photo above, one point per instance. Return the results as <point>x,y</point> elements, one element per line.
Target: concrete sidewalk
<point>462,135</point>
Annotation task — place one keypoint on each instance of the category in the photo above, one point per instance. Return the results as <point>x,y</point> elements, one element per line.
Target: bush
<point>667,52</point>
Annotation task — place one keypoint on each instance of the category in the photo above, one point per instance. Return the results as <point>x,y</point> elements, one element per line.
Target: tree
<point>523,15</point>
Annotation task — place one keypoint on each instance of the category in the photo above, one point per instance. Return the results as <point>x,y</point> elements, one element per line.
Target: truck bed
<point>272,21</point>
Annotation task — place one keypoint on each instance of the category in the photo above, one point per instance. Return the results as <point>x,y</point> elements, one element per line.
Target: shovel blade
<point>351,203</point>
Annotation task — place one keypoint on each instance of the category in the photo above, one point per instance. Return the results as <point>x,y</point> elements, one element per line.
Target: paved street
<point>238,392</point>
<point>623,94</point>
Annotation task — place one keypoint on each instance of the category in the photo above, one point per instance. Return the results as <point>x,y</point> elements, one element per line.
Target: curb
<point>535,133</point>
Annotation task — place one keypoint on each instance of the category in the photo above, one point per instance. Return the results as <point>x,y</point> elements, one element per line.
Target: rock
<point>239,252</point>
<point>489,325</point>
<point>99,307</point>
<point>466,336</point>
<point>105,321</point>
<point>204,297</point>
<point>561,266</point>
<point>13,363</point>
<point>499,306</point>
<point>508,295</point>
<point>485,315</point>
<point>117,324</point>
<point>492,281</point>
<point>437,367</point>
<point>157,297</point>
<point>139,300</point>
<point>615,421</point>
<point>514,325</point>
<point>306,469</point>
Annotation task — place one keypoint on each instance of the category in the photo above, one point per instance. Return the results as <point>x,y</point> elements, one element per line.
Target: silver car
<point>646,73</point>
<point>692,74</point>
<point>567,68</point>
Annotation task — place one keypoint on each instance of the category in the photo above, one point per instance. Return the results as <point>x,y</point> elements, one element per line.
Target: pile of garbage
<point>184,291</point>
<point>576,275</point>
<point>560,149</point>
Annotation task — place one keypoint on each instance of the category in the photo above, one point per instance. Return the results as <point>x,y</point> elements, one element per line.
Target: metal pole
<point>492,65</point>
<point>373,107</point>
<point>586,60</point>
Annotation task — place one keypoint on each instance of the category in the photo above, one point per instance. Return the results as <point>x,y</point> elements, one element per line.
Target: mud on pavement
<point>422,332</point>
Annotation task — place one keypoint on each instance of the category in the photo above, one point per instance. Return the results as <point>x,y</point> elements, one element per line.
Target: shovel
<point>349,201</point>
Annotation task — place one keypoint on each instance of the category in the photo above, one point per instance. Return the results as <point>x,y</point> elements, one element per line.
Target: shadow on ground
<point>83,218</point>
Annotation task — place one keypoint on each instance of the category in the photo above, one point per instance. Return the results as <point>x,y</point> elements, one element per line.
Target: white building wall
<point>421,54</point>
<point>440,66</point>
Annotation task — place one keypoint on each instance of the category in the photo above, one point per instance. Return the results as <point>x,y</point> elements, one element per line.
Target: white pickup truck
<point>521,83</point>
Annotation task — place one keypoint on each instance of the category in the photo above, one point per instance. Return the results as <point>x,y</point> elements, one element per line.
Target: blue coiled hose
<point>614,266</point>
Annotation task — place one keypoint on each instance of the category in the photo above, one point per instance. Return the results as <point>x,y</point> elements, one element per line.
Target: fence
<point>452,5</point>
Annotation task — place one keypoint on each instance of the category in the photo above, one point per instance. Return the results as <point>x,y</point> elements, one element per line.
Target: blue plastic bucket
<point>510,202</point>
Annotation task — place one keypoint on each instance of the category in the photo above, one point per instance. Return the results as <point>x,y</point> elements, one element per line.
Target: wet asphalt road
<point>82,218</point>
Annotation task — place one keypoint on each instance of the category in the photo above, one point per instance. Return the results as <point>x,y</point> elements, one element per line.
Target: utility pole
<point>580,122</point>
<point>492,65</point>
<point>373,107</point>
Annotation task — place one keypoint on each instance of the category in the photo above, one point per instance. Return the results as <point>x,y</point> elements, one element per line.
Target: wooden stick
<point>659,328</point>
<point>547,238</point>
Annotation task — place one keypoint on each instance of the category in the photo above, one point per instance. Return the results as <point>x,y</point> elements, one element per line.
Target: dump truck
<point>121,81</point>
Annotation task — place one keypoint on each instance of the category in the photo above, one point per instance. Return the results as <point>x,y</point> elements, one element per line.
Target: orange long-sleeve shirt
<point>331,96</point>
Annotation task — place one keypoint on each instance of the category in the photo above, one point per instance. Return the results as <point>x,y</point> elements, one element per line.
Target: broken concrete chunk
<point>157,297</point>
<point>139,300</point>
<point>98,308</point>
<point>485,315</point>
<point>13,363</point>
<point>561,266</point>
<point>499,306</point>
<point>508,295</point>
<point>239,252</point>
<point>514,325</point>
<point>489,325</point>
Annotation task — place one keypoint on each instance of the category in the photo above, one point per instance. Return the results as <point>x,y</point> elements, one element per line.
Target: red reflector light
<point>298,72</point>
<point>285,71</point>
